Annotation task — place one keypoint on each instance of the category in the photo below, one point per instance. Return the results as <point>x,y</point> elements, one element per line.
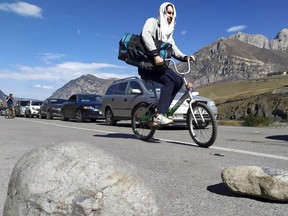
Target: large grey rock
<point>257,181</point>
<point>79,180</point>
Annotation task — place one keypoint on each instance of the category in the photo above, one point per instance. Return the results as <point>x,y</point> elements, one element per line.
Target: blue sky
<point>46,43</point>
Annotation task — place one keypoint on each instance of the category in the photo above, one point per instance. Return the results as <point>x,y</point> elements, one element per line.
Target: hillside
<point>266,97</point>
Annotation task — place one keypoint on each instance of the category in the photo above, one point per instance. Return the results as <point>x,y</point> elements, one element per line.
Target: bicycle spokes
<point>202,125</point>
<point>142,120</point>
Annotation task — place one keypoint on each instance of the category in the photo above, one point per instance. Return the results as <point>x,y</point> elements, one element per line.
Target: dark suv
<point>82,107</point>
<point>51,107</point>
<point>125,94</point>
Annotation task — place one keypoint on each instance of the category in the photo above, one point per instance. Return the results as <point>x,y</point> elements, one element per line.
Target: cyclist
<point>10,103</point>
<point>162,29</point>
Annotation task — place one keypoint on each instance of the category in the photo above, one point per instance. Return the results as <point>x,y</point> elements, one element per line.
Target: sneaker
<point>161,120</point>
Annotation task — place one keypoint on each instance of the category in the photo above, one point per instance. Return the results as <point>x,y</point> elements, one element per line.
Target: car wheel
<point>79,116</point>
<point>30,115</point>
<point>109,118</point>
<point>63,118</point>
<point>49,115</point>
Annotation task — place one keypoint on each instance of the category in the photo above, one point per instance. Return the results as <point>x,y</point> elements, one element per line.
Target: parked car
<point>20,107</point>
<point>51,107</point>
<point>82,107</point>
<point>32,109</point>
<point>2,110</point>
<point>124,95</point>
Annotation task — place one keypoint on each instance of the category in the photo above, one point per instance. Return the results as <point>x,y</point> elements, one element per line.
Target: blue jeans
<point>171,82</point>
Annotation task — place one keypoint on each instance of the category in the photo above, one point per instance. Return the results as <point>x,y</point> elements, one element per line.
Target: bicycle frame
<point>185,96</point>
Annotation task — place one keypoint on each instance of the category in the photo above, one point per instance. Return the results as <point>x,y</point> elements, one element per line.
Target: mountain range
<point>240,57</point>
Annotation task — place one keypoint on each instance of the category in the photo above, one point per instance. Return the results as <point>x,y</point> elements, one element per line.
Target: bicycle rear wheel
<point>142,120</point>
<point>202,128</point>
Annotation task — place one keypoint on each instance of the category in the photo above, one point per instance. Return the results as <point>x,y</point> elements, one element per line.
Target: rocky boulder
<point>76,179</point>
<point>257,181</point>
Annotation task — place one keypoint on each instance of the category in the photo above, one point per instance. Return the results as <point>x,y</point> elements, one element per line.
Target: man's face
<point>170,14</point>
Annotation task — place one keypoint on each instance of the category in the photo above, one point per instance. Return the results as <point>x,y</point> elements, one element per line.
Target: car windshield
<point>36,103</point>
<point>87,98</point>
<point>24,103</point>
<point>57,101</point>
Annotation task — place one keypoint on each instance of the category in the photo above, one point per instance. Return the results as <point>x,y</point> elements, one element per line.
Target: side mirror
<point>136,91</point>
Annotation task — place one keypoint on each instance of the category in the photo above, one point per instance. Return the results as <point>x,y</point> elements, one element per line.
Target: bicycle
<point>200,120</point>
<point>8,114</point>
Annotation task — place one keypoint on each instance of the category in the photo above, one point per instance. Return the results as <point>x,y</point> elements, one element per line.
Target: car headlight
<point>55,108</point>
<point>212,103</point>
<point>88,107</point>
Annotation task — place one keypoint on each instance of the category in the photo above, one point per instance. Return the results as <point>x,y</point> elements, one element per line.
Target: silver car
<point>124,95</point>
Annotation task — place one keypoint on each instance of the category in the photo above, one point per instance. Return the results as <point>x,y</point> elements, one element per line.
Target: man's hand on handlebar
<point>190,58</point>
<point>158,60</point>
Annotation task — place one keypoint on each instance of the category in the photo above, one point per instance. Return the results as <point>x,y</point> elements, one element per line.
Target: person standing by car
<point>10,103</point>
<point>162,29</point>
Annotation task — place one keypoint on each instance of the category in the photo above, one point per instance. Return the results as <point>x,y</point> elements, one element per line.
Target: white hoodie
<point>159,29</point>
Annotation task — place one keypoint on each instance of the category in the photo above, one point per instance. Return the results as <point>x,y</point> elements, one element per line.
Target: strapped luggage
<point>133,52</point>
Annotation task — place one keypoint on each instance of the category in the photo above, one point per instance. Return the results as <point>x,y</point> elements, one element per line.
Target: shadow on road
<point>126,136</point>
<point>278,137</point>
<point>116,135</point>
<point>221,189</point>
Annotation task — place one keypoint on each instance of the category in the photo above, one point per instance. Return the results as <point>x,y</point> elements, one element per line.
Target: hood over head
<point>166,29</point>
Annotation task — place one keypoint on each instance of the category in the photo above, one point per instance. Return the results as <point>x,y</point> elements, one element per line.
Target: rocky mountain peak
<point>2,96</point>
<point>87,84</point>
<point>280,42</point>
<point>256,39</point>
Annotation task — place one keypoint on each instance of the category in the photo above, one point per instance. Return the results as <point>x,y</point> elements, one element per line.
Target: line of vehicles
<point>121,97</point>
<point>79,106</point>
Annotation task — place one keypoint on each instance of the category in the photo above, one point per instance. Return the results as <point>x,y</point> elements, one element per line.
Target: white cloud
<point>236,28</point>
<point>22,8</point>
<point>48,57</point>
<point>183,32</point>
<point>64,72</point>
<point>42,86</point>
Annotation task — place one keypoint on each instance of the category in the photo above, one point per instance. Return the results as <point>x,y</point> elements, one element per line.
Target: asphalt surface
<point>186,178</point>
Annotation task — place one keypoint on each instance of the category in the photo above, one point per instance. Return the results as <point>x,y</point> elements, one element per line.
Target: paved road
<point>186,178</point>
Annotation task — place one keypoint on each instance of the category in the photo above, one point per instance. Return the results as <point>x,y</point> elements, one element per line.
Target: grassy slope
<point>222,92</point>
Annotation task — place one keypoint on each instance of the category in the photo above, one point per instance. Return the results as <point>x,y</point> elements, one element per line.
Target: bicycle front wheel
<point>142,120</point>
<point>7,113</point>
<point>202,126</point>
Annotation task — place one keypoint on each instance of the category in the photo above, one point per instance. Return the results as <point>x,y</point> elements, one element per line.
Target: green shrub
<point>256,121</point>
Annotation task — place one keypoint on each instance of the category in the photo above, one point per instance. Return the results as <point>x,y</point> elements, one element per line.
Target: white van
<point>32,109</point>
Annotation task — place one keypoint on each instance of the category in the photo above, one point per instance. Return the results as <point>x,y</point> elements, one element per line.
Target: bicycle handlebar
<point>174,64</point>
